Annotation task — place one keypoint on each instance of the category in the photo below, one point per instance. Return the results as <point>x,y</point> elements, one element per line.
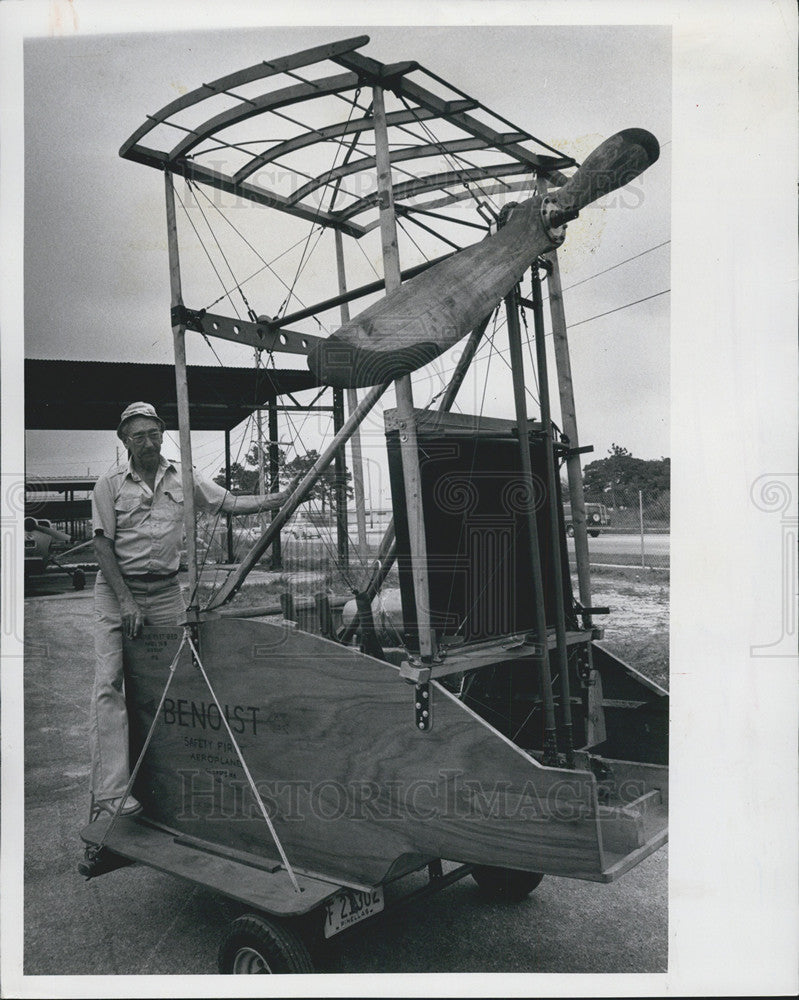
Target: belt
<point>150,577</point>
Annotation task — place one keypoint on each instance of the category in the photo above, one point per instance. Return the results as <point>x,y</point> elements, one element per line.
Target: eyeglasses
<point>143,436</point>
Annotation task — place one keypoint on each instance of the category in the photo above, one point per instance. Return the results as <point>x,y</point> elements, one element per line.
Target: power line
<point>613,266</point>
<point>618,308</point>
<point>500,352</point>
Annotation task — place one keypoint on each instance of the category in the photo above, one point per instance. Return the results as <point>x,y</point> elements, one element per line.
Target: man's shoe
<point>111,806</point>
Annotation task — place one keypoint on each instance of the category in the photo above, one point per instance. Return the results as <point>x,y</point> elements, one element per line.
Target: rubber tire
<point>78,579</point>
<point>505,885</point>
<point>257,941</point>
<point>594,534</point>
<point>570,530</point>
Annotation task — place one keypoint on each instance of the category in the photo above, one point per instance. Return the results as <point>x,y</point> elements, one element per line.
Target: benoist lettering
<point>201,715</point>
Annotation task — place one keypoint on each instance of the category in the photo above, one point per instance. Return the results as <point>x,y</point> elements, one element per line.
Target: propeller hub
<point>555,219</point>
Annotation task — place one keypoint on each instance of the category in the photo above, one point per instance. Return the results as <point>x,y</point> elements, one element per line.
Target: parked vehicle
<point>41,542</point>
<point>596,518</point>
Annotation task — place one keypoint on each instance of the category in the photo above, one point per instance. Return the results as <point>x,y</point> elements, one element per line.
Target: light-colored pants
<point>161,603</point>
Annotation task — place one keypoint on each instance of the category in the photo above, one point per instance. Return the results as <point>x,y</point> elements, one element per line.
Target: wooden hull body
<point>356,793</point>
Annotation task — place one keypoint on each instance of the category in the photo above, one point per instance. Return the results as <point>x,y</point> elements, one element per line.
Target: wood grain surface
<point>354,790</point>
<point>432,311</point>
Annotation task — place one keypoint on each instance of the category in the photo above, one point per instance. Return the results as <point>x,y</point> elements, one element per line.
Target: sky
<point>96,268</point>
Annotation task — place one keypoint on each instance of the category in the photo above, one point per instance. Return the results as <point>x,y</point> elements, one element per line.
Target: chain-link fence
<point>629,527</point>
<point>633,532</point>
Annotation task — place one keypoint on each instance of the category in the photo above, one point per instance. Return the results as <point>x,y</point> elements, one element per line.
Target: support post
<point>569,421</point>
<point>352,403</point>
<point>182,393</point>
<point>340,484</point>
<point>274,478</point>
<point>404,392</point>
<point>259,432</point>
<point>228,517</point>
<point>387,552</point>
<point>641,520</point>
<point>550,748</point>
<point>553,518</point>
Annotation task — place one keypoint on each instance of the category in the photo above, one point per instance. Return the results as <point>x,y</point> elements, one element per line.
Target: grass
<point>645,649</point>
<point>648,653</point>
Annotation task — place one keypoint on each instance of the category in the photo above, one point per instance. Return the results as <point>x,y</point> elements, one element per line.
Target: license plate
<point>349,906</point>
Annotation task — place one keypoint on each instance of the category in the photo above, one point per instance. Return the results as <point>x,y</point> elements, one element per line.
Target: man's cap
<point>138,410</point>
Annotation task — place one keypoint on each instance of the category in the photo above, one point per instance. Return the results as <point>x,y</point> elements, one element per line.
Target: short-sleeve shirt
<point>146,526</point>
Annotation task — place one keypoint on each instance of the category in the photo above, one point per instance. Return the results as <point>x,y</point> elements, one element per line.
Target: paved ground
<point>625,550</point>
<point>137,920</point>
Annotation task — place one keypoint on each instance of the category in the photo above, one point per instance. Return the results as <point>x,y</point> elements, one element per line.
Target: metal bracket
<point>181,316</point>
<point>261,334</point>
<point>193,627</point>
<point>552,216</point>
<point>423,707</point>
<point>582,664</point>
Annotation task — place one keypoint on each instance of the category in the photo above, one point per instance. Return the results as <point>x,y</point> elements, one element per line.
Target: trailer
<point>305,765</point>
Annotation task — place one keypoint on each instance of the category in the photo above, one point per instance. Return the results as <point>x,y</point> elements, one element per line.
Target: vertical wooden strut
<point>387,551</point>
<point>404,392</point>
<point>554,525</point>
<point>569,420</point>
<point>352,403</point>
<point>550,748</point>
<point>181,387</point>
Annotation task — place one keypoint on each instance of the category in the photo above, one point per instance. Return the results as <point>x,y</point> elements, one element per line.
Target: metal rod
<point>340,465</point>
<point>274,479</point>
<point>352,403</point>
<point>243,761</point>
<point>569,420</point>
<point>182,393</point>
<point>259,433</point>
<point>553,518</point>
<point>357,293</point>
<point>228,517</point>
<point>464,361</point>
<point>550,749</point>
<point>404,392</point>
<point>238,576</point>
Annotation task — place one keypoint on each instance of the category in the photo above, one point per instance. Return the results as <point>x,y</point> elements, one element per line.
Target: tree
<point>617,479</point>
<point>244,478</point>
<point>324,490</point>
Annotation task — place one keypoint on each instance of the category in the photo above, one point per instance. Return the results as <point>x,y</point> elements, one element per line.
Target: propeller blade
<point>431,312</point>
<point>614,163</point>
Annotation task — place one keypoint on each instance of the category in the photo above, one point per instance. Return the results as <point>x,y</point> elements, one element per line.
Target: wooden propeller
<point>432,311</point>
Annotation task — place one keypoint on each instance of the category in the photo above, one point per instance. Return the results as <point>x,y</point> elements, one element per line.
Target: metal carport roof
<point>90,395</point>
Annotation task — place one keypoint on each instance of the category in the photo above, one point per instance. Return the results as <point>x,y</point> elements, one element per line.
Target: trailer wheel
<point>78,579</point>
<point>505,884</point>
<point>594,534</point>
<point>256,946</point>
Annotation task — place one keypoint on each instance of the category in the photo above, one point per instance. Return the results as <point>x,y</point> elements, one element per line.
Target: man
<point>137,513</point>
